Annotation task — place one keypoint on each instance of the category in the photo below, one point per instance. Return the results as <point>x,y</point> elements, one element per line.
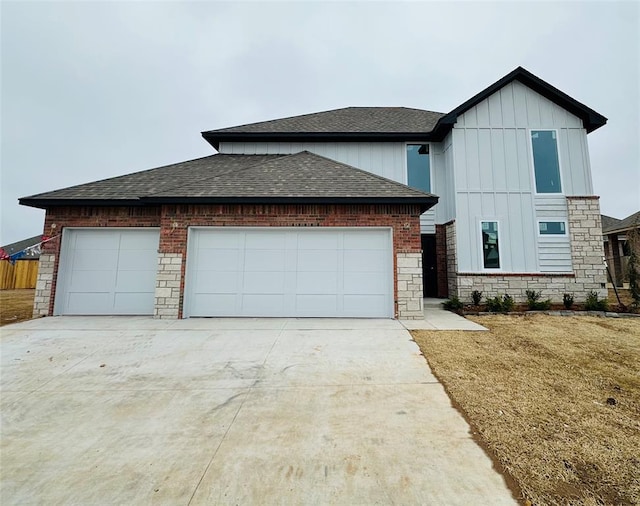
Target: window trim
<point>406,164</point>
<point>500,267</point>
<point>561,193</point>
<point>552,220</point>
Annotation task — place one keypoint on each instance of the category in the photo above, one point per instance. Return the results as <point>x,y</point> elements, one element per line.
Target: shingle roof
<point>609,222</point>
<point>301,178</point>
<point>14,247</point>
<point>347,120</point>
<point>350,123</point>
<point>628,223</point>
<point>391,123</point>
<point>147,182</point>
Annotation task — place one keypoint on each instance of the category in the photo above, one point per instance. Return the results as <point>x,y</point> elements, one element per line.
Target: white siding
<point>386,159</point>
<point>554,251</point>
<point>494,179</point>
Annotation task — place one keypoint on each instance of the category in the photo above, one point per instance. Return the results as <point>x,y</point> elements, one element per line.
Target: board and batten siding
<point>386,159</point>
<point>494,179</point>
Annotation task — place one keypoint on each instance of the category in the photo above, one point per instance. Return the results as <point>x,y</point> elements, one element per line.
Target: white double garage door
<point>272,272</point>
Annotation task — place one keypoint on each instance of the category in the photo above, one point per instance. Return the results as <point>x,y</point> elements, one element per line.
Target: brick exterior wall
<point>441,261</point>
<point>452,261</point>
<point>409,291</point>
<point>589,274</point>
<point>174,221</point>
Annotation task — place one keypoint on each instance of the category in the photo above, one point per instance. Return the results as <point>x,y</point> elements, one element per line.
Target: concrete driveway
<point>131,410</point>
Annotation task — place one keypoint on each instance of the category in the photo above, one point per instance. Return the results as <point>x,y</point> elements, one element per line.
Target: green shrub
<point>499,304</point>
<point>507,303</point>
<point>476,297</point>
<point>494,304</point>
<point>453,303</point>
<point>534,302</point>
<point>567,300</point>
<point>593,303</point>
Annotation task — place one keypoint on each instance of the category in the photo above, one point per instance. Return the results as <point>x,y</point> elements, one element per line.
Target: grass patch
<point>556,399</point>
<point>16,305</point>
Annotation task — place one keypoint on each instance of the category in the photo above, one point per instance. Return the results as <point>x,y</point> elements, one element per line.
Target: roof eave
<point>45,203</point>
<point>425,203</point>
<point>215,138</point>
<point>591,120</point>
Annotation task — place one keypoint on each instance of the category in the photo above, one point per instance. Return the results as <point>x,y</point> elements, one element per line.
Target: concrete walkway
<point>130,410</point>
<point>438,318</point>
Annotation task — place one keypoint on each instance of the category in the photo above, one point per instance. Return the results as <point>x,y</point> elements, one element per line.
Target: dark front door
<point>429,266</point>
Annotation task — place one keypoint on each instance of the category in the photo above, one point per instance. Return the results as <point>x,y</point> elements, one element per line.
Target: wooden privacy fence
<point>22,274</point>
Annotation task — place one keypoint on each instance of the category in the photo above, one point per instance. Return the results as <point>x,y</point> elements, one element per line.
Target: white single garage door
<point>107,272</point>
<point>289,272</point>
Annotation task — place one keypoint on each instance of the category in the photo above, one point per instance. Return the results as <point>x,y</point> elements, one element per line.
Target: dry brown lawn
<point>16,305</point>
<point>555,399</point>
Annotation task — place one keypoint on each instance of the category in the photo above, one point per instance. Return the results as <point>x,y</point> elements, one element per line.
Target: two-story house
<point>355,212</point>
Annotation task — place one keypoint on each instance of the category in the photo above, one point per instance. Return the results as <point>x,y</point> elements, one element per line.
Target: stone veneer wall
<point>587,249</point>
<point>44,285</point>
<point>452,261</point>
<point>589,274</point>
<point>410,291</point>
<point>167,296</point>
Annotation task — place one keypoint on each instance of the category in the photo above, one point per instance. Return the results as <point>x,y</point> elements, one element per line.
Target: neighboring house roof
<point>15,247</point>
<point>611,227</point>
<point>391,123</point>
<point>299,178</point>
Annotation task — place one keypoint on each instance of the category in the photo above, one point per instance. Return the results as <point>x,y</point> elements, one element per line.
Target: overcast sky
<point>97,89</point>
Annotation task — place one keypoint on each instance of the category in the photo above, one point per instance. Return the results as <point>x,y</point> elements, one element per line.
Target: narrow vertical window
<point>490,251</point>
<point>418,167</point>
<point>545,161</point>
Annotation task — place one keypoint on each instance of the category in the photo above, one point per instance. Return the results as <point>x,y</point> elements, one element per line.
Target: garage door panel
<point>133,303</point>
<point>107,271</point>
<point>290,272</point>
<point>364,260</point>
<point>263,282</point>
<point>364,240</point>
<point>208,304</point>
<point>131,281</point>
<point>319,261</point>
<point>219,260</point>
<point>134,260</point>
<point>316,305</point>
<point>142,241</point>
<point>363,283</point>
<point>217,282</point>
<point>96,240</point>
<point>223,240</point>
<point>269,239</point>
<point>95,260</point>
<point>90,281</point>
<point>264,260</point>
<point>321,240</point>
<point>317,283</point>
<point>87,302</point>
<point>263,304</point>
<point>364,305</point>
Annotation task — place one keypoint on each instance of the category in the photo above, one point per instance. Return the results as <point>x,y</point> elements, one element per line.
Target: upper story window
<point>545,161</point>
<point>418,167</point>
